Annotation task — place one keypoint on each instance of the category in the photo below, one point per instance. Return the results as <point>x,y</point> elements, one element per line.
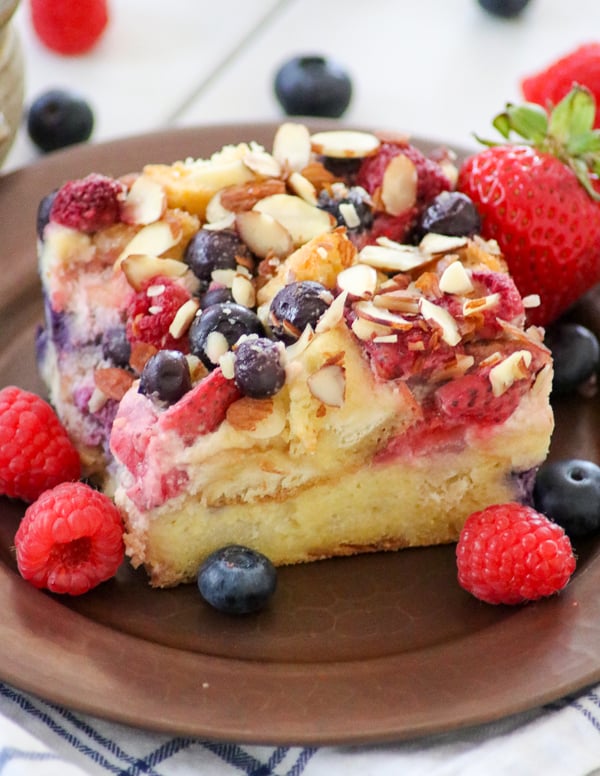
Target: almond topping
<point>442,243</point>
<point>303,188</point>
<point>382,316</point>
<point>438,315</point>
<point>183,318</point>
<point>262,163</point>
<point>359,281</point>
<point>400,301</point>
<point>145,203</point>
<point>333,314</point>
<point>455,279</point>
<point>138,268</point>
<point>532,300</point>
<point>508,371</point>
<point>367,330</point>
<point>474,306</point>
<point>243,291</point>
<point>328,385</point>
<point>113,381</point>
<point>216,346</point>
<point>264,235</point>
<point>399,185</point>
<point>344,143</point>
<point>393,257</point>
<point>302,220</point>
<point>291,146</point>
<point>259,418</point>
<point>152,239</point>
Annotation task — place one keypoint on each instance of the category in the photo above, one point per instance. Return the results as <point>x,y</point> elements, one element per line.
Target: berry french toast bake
<point>307,350</point>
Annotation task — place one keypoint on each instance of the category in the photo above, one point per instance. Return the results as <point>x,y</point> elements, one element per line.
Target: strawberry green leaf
<point>585,143</point>
<point>529,121</point>
<point>574,115</point>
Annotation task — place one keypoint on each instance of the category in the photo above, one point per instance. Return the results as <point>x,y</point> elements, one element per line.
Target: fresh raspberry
<point>581,66</point>
<point>150,313</point>
<point>70,539</point>
<point>35,451</point>
<point>69,26</point>
<point>88,204</point>
<point>509,554</point>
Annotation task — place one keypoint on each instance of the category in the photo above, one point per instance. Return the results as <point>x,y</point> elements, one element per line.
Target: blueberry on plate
<point>313,85</point>
<point>166,375</point>
<point>504,8</point>
<point>568,492</point>
<point>58,118</point>
<point>237,580</point>
<point>575,353</point>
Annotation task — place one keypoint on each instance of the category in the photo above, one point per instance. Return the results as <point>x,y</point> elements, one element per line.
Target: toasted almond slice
<point>183,318</point>
<point>145,203</point>
<point>328,385</point>
<point>399,185</point>
<point>455,279</point>
<point>367,330</point>
<point>441,243</point>
<point>508,371</point>
<point>262,163</point>
<point>215,211</point>
<point>139,268</point>
<point>227,364</point>
<point>349,214</point>
<point>291,146</point>
<point>474,306</point>
<point>399,301</point>
<point>264,235</point>
<point>297,348</point>
<point>224,223</point>
<point>402,258</point>
<point>243,291</point>
<point>303,188</point>
<point>531,300</point>
<point>381,316</point>
<point>152,239</point>
<point>302,220</point>
<point>259,418</point>
<point>359,281</point>
<point>333,314</point>
<point>344,143</point>
<point>216,346</point>
<point>438,315</point>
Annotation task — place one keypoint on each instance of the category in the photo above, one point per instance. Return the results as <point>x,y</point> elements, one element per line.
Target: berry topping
<point>212,250</point>
<point>580,66</point>
<point>258,371</point>
<point>237,580</point>
<point>67,27</point>
<point>471,397</point>
<point>35,451</point>
<point>575,353</point>
<point>351,207</point>
<point>88,204</point>
<point>538,199</point>
<point>510,553</point>
<point>504,8</point>
<point>313,86</point>
<point>151,311</point>
<point>57,119</point>
<point>451,213</point>
<point>216,295</point>
<point>218,328</point>
<point>116,347</point>
<point>166,375</point>
<point>70,540</point>
<point>568,492</point>
<point>296,306</point>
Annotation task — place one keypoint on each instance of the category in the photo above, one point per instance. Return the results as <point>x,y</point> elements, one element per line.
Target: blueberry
<point>166,375</point>
<point>43,213</point>
<point>351,207</point>
<point>215,295</point>
<point>237,580</point>
<point>116,347</point>
<point>230,320</point>
<point>576,355</point>
<point>504,8</point>
<point>57,119</point>
<point>296,306</point>
<point>568,492</point>
<point>452,213</point>
<point>313,86</point>
<point>258,371</point>
<point>210,250</point>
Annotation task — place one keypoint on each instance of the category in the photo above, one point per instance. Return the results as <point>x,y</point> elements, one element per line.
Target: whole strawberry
<point>509,554</point>
<point>69,27</point>
<point>35,451</point>
<point>538,199</point>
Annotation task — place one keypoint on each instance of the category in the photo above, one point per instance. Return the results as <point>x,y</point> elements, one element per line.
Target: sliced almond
<point>401,258</point>
<point>262,163</point>
<point>243,291</point>
<point>358,281</point>
<point>442,243</point>
<point>531,300</point>
<point>368,330</point>
<point>508,371</point>
<point>328,385</point>
<point>382,316</point>
<point>264,235</point>
<point>440,316</point>
<point>291,146</point>
<point>223,277</point>
<point>153,239</point>
<point>244,196</point>
<point>344,143</point>
<point>227,364</point>
<point>333,315</point>
<point>399,301</point>
<point>145,203</point>
<point>302,220</point>
<point>349,214</point>
<point>216,346</point>
<point>183,318</point>
<point>259,418</point>
<point>474,306</point>
<point>215,210</point>
<point>303,188</point>
<point>297,348</point>
<point>399,185</point>
<point>226,222</point>
<point>139,268</point>
<point>455,279</point>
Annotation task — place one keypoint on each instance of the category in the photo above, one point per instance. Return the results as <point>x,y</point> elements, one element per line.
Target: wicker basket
<point>11,77</point>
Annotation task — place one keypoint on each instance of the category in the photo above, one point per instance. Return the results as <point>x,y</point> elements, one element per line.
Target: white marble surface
<point>436,68</point>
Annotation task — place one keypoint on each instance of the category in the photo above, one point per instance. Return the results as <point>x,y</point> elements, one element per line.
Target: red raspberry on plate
<point>580,66</point>
<point>69,26</point>
<point>509,554</point>
<point>70,539</point>
<point>35,450</point>
<point>88,204</point>
<point>151,311</point>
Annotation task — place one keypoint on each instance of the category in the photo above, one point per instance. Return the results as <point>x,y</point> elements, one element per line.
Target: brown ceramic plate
<point>366,649</point>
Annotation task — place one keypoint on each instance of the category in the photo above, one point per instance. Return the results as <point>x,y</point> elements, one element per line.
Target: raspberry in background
<point>69,27</point>
<point>580,66</point>
<point>35,450</point>
<point>510,554</point>
<point>88,204</point>
<point>70,539</point>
